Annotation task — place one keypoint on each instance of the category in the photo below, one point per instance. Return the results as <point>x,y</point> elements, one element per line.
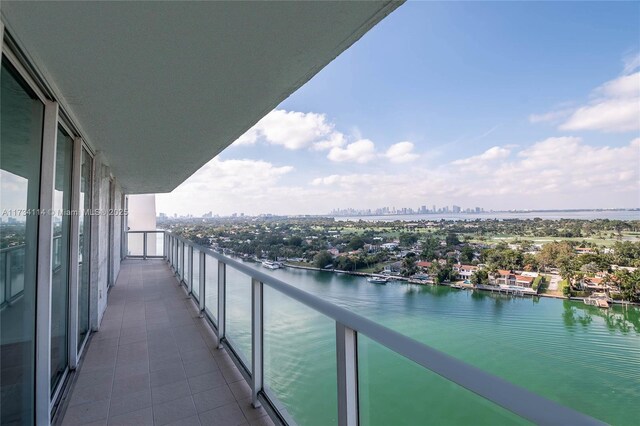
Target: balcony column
<point>189,268</point>
<point>256,336</point>
<point>201,282</point>
<point>222,295</point>
<point>347,366</point>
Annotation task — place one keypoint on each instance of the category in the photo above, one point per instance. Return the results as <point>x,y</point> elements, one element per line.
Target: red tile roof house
<point>523,281</point>
<point>512,278</point>
<point>594,283</point>
<point>465,271</point>
<point>423,265</point>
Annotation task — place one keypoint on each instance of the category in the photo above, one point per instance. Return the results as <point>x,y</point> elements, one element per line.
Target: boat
<point>377,280</point>
<point>601,300</point>
<point>270,265</point>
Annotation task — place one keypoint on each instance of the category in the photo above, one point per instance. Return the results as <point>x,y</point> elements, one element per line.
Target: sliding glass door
<point>84,247</point>
<point>21,122</point>
<point>60,262</point>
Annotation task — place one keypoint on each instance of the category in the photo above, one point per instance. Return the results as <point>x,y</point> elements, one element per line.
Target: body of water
<point>581,356</point>
<point>550,215</point>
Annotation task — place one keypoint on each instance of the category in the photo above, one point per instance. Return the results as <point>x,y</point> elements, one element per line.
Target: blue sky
<point>495,104</point>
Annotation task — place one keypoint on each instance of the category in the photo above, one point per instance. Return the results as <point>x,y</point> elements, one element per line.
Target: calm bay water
<point>549,215</point>
<point>580,356</point>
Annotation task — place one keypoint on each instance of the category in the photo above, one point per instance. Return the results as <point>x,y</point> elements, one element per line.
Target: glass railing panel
<point>179,258</point>
<point>238,314</point>
<point>155,244</point>
<point>299,359</point>
<point>395,390</point>
<point>135,243</point>
<point>211,288</point>
<point>187,265</point>
<point>195,283</point>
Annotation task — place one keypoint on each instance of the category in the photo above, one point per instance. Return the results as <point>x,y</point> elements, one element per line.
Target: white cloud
<point>294,130</point>
<point>614,107</point>
<point>631,62</point>
<point>493,153</point>
<point>552,116</point>
<point>235,175</point>
<point>401,152</point>
<point>361,151</point>
<point>226,186</point>
<point>558,172</point>
<point>561,172</point>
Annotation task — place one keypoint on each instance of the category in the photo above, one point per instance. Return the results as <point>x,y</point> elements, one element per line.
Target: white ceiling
<point>162,87</point>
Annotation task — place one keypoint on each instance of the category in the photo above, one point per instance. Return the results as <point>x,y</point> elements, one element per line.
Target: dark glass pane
<point>20,150</point>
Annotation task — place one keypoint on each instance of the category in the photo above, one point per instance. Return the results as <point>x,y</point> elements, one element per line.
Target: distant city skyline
<point>451,103</point>
<point>393,210</point>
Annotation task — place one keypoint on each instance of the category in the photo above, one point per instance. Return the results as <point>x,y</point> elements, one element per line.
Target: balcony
<point>175,345</point>
<point>155,360</point>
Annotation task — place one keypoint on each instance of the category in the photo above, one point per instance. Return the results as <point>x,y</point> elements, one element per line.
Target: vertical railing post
<point>347,365</point>
<point>169,249</point>
<point>190,269</point>
<point>256,336</point>
<point>222,295</point>
<point>173,253</point>
<point>201,282</point>
<point>144,245</point>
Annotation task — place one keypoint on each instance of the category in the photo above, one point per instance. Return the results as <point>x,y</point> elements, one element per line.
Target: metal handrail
<point>516,399</point>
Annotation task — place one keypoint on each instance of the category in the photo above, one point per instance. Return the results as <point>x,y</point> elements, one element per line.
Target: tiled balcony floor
<point>154,362</point>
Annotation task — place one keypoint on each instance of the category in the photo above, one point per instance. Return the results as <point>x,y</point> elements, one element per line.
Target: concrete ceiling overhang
<point>162,87</point>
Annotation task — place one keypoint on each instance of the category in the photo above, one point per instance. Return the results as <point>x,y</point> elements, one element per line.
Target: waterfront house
<point>593,284</point>
<point>334,251</point>
<point>502,277</point>
<point>506,277</point>
<point>423,265</point>
<point>523,280</point>
<point>465,271</point>
<point>392,268</point>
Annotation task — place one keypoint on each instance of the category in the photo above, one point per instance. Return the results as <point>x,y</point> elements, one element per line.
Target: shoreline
<point>452,285</point>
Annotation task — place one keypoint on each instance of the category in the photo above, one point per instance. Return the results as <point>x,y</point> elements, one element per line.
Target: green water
<point>580,356</point>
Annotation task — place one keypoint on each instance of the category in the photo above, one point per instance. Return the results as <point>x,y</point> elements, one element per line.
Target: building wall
<point>117,229</point>
<point>104,273</point>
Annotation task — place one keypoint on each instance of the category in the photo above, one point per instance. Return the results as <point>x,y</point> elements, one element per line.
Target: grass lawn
<point>601,241</point>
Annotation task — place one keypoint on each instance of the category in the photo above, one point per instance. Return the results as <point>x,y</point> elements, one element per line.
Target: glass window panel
<point>21,134</point>
<point>84,247</point>
<point>60,262</point>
